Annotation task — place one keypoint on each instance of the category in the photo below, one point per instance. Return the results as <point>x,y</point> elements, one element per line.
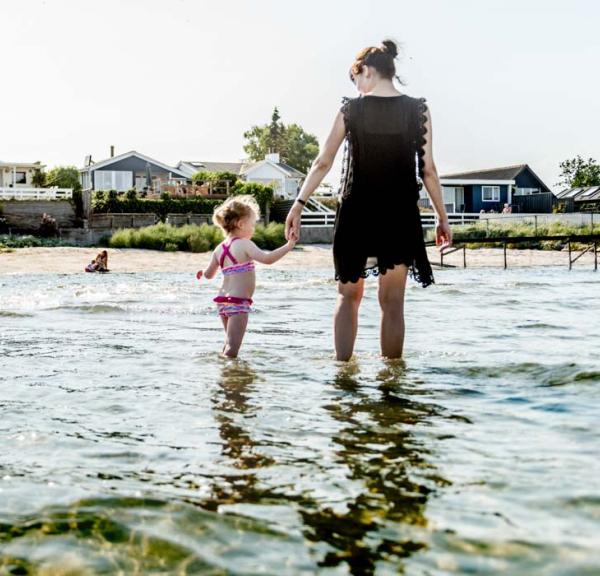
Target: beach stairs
<point>315,213</point>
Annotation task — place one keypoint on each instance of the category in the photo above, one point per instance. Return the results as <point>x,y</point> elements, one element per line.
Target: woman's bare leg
<point>345,322</point>
<point>236,328</point>
<point>391,300</point>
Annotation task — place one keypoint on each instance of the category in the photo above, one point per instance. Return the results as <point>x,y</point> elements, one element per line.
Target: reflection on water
<point>129,446</point>
<point>376,446</point>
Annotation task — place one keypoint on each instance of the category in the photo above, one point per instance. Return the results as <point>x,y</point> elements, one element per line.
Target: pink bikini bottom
<point>232,305</point>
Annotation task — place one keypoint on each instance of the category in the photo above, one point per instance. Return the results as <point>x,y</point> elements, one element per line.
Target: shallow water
<point>129,446</point>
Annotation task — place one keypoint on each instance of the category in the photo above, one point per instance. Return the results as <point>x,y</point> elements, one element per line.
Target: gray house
<point>130,170</point>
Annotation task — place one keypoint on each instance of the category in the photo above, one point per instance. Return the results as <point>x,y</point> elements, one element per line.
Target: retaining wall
<point>25,215</point>
<point>316,234</point>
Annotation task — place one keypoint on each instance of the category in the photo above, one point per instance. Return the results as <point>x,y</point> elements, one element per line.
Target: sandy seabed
<point>63,260</point>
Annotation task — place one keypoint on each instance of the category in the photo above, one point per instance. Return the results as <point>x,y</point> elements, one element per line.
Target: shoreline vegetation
<point>205,237</point>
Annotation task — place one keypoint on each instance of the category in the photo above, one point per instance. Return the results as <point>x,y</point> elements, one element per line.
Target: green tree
<point>295,146</point>
<point>577,172</point>
<point>64,177</point>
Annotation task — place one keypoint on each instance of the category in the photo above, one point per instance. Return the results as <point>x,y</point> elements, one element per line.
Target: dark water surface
<point>128,446</point>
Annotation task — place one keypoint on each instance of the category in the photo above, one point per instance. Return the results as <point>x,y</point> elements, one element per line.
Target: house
<point>191,167</point>
<point>488,189</point>
<point>284,179</point>
<point>580,199</point>
<point>18,174</point>
<point>129,170</point>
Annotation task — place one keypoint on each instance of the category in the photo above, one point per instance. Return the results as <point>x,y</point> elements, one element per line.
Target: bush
<point>101,205</point>
<point>131,194</point>
<point>48,227</point>
<point>190,238</point>
<point>261,193</point>
<point>28,241</point>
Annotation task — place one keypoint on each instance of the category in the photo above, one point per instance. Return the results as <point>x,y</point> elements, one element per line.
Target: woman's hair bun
<point>390,47</point>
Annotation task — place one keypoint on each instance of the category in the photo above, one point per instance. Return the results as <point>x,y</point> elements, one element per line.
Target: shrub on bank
<point>190,238</point>
<point>131,203</point>
<point>482,230</point>
<point>28,241</point>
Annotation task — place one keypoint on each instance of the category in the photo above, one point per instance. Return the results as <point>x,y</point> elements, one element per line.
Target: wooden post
<point>441,258</point>
<point>464,256</point>
<point>596,256</point>
<point>505,263</point>
<point>570,261</point>
<point>535,221</point>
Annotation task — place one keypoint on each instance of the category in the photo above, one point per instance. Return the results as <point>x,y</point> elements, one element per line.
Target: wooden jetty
<point>590,240</point>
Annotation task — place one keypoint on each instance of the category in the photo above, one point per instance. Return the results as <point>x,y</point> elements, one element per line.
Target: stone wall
<point>25,215</point>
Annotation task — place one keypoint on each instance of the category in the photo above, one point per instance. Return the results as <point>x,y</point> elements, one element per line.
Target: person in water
<point>388,154</point>
<point>98,264</point>
<point>235,257</point>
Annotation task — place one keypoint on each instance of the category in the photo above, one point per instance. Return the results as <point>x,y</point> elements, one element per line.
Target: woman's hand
<point>443,234</point>
<point>292,222</point>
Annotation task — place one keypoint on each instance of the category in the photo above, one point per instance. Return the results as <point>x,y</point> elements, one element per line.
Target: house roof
<point>586,194</point>
<point>288,170</point>
<point>503,173</point>
<point>22,164</point>
<point>235,167</point>
<point>114,159</point>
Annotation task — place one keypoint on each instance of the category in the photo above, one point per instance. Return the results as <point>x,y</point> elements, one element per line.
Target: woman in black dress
<point>378,230</point>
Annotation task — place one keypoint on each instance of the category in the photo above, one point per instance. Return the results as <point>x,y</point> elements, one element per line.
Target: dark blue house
<point>489,189</point>
<point>130,170</point>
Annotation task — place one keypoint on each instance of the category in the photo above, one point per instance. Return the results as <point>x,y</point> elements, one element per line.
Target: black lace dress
<point>378,224</point>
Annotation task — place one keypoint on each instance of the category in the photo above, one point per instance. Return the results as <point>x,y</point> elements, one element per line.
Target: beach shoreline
<point>71,260</point>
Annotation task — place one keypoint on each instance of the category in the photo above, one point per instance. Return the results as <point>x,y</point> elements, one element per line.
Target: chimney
<point>112,151</point>
<point>273,157</point>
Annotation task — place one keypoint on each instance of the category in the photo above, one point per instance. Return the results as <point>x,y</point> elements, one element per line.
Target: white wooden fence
<point>36,193</point>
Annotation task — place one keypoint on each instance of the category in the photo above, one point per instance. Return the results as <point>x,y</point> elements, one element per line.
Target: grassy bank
<point>481,230</point>
<point>190,238</point>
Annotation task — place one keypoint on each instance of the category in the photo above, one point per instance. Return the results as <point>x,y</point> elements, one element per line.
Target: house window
<point>490,193</point>
<point>20,178</point>
<point>113,180</point>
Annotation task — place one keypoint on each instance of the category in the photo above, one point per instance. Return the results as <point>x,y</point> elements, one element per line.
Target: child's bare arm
<point>211,269</point>
<point>265,257</point>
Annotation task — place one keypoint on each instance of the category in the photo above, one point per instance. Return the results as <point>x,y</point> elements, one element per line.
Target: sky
<point>508,82</point>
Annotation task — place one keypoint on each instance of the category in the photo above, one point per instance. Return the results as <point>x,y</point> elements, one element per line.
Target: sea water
<point>128,446</point>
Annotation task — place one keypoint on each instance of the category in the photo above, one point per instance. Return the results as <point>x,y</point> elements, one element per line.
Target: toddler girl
<point>235,256</point>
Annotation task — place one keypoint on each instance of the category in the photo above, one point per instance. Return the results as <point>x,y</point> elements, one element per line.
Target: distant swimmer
<point>99,264</point>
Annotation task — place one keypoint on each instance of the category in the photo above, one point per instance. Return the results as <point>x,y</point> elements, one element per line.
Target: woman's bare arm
<point>319,169</point>
<point>443,236</point>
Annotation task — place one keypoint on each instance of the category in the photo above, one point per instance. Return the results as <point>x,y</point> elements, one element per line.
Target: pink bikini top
<point>235,268</point>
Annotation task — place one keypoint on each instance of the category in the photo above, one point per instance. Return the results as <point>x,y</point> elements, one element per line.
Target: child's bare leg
<point>236,328</point>
<point>224,320</point>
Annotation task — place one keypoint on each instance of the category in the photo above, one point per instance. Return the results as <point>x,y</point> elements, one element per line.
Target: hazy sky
<point>507,81</point>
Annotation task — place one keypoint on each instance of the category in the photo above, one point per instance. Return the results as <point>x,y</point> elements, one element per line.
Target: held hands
<point>443,234</point>
<point>292,223</point>
<point>292,238</point>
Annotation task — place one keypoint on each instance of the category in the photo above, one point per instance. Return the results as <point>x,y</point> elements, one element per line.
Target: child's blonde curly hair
<point>228,215</point>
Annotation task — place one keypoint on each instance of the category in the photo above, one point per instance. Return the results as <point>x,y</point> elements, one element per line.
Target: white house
<point>284,179</point>
<point>18,174</point>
